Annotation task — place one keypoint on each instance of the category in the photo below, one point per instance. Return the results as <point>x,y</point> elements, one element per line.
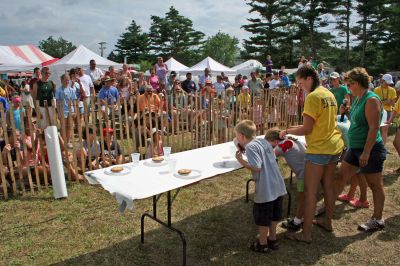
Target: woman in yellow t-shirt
<point>388,97</point>
<point>324,146</point>
<point>396,141</point>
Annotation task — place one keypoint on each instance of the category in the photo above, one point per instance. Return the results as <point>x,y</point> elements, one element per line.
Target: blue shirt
<point>77,89</point>
<point>285,81</point>
<point>111,94</point>
<point>17,118</point>
<point>5,104</point>
<point>66,95</point>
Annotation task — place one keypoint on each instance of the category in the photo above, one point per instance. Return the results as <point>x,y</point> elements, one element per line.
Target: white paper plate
<point>192,175</point>
<point>153,164</point>
<point>127,170</point>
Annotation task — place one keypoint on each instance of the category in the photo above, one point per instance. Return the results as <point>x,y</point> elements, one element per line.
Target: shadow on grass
<point>217,236</point>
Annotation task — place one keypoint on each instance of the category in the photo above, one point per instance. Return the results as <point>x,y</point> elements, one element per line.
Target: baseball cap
<point>107,131</point>
<point>334,75</point>
<point>388,79</point>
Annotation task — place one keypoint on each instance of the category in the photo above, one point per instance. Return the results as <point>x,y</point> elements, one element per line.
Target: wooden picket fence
<point>184,122</point>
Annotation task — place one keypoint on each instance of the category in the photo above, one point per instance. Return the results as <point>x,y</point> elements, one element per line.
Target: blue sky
<point>90,22</point>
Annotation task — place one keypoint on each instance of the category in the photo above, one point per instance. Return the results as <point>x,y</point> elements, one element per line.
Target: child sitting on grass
<point>294,151</point>
<point>270,188</point>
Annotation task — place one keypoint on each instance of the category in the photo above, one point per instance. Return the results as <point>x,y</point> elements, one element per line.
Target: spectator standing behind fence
<point>65,97</point>
<point>255,84</point>
<point>112,150</point>
<point>204,78</point>
<point>268,64</point>
<point>324,146</point>
<point>108,95</point>
<point>43,90</point>
<point>366,148</point>
<point>87,85</point>
<point>154,81</point>
<point>388,97</point>
<point>275,82</point>
<point>26,95</point>
<point>76,85</point>
<point>16,100</point>
<point>219,87</point>
<point>188,85</point>
<point>96,74</point>
<point>161,70</point>
<point>270,187</point>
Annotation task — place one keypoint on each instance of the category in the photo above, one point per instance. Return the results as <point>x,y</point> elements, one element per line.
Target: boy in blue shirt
<point>65,95</point>
<point>270,187</point>
<point>108,95</point>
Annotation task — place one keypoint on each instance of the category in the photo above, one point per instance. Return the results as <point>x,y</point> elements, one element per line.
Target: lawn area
<point>87,229</point>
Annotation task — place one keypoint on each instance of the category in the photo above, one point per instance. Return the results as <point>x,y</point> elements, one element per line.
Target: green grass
<point>86,229</point>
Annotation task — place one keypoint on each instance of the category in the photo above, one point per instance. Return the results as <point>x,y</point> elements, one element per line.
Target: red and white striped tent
<point>29,53</point>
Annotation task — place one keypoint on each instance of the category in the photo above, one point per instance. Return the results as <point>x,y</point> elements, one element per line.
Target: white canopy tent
<point>247,67</point>
<point>174,65</point>
<point>79,57</point>
<point>214,67</point>
<point>12,63</point>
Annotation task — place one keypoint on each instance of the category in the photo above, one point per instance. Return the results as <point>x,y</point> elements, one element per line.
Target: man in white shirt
<point>87,85</point>
<point>204,78</point>
<point>96,74</point>
<point>274,83</point>
<point>219,86</point>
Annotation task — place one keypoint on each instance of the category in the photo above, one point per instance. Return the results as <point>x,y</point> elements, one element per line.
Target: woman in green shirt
<point>366,149</point>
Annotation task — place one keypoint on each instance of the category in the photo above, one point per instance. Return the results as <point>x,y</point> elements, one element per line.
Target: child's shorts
<point>267,212</point>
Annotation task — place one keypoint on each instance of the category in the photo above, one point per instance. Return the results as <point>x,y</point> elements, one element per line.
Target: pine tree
<point>174,36</point>
<point>134,44</point>
<point>343,13</point>
<point>266,30</point>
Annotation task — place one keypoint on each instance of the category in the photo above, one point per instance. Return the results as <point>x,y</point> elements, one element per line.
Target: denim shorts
<point>375,162</point>
<point>322,159</point>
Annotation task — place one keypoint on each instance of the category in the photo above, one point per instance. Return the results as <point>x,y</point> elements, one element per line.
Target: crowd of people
<point>360,150</point>
<point>359,154</point>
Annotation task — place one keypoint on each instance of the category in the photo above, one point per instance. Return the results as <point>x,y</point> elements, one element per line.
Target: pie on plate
<point>158,159</point>
<point>184,171</point>
<point>116,169</point>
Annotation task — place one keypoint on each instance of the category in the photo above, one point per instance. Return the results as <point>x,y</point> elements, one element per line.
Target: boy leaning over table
<point>270,188</point>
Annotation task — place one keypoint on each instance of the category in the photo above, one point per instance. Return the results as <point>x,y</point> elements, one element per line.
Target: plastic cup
<point>172,165</point>
<point>135,158</point>
<point>167,152</point>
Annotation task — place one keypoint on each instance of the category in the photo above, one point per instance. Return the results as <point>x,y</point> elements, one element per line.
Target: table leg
<point>247,188</point>
<point>167,225</point>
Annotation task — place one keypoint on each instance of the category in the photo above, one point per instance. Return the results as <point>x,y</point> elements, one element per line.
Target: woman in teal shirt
<point>366,149</point>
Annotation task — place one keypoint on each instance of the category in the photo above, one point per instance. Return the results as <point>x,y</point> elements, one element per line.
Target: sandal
<point>321,225</point>
<point>257,247</point>
<point>356,203</point>
<point>272,244</point>
<point>299,237</point>
<point>344,198</point>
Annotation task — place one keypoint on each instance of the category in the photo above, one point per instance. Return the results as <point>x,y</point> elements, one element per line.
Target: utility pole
<point>102,47</point>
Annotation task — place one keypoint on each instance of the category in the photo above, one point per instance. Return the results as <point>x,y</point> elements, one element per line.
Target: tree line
<point>343,33</point>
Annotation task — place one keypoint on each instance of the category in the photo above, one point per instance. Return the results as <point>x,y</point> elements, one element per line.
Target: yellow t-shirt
<point>386,94</point>
<point>243,100</point>
<point>2,92</point>
<point>324,138</point>
<point>396,107</point>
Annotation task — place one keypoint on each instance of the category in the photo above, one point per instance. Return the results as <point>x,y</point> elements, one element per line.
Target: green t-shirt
<point>339,94</point>
<point>358,131</point>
